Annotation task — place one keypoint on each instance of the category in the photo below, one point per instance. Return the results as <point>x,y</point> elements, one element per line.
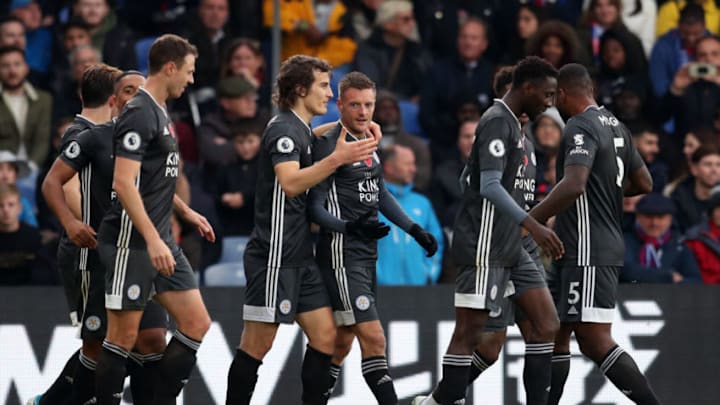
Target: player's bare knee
<point>546,330</point>
<point>151,341</point>
<point>489,352</point>
<point>123,338</point>
<point>91,348</point>
<point>342,348</point>
<point>373,342</point>
<point>323,337</point>
<point>195,327</point>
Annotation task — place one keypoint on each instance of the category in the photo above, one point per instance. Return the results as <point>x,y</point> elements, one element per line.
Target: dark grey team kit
<point>591,228</point>
<point>347,261</point>
<point>143,133</point>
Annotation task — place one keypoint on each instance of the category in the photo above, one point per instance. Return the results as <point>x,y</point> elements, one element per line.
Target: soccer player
<point>486,242</point>
<point>346,206</point>
<point>598,164</point>
<point>529,302</point>
<point>283,281</point>
<point>135,241</point>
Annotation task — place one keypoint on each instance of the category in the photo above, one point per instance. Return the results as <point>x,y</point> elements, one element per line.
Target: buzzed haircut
<point>574,78</point>
<point>8,190</point>
<point>98,84</point>
<point>355,80</point>
<point>296,76</point>
<point>169,48</point>
<point>703,151</point>
<point>10,49</point>
<point>532,69</point>
<point>11,19</point>
<point>75,23</point>
<point>503,78</point>
<point>692,13</point>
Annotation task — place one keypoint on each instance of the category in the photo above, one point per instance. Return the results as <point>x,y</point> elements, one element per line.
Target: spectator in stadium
<point>67,88</point>
<point>704,241</point>
<point>557,43</point>
<point>465,76</point>
<point>243,57</point>
<point>603,15</point>
<point>389,57</point>
<point>208,29</point>
<point>681,165</point>
<point>654,253</point>
<point>629,103</point>
<point>387,115</point>
<point>547,133</point>
<point>238,105</point>
<point>12,32</point>
<point>12,169</point>
<point>670,15</point>
<point>691,197</point>
<point>401,260</point>
<point>19,242</point>
<point>529,19</point>
<point>39,39</point>
<point>317,28</point>
<point>109,36</point>
<point>236,183</point>
<point>694,97</point>
<point>28,108</point>
<point>445,191</point>
<point>676,48</point>
<point>618,63</point>
<point>647,143</point>
<point>362,17</point>
<point>639,16</point>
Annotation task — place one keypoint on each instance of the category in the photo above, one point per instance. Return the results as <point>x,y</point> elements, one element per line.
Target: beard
<point>13,85</point>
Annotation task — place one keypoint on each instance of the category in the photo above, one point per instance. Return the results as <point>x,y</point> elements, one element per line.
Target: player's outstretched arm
<point>60,174</point>
<point>564,194</point>
<point>126,171</point>
<point>193,218</point>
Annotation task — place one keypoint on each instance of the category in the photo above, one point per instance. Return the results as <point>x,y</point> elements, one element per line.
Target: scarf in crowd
<point>651,250</point>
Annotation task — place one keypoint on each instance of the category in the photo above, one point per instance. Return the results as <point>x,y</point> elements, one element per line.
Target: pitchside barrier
<point>672,331</point>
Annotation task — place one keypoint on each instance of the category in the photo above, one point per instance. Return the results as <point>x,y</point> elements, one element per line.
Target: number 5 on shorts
<point>573,293</point>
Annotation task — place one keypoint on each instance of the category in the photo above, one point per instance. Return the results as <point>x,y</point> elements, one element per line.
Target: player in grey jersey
<point>597,166</point>
<point>346,206</point>
<point>487,232</point>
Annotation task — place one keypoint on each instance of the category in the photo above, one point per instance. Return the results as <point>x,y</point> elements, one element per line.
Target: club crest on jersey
<point>285,145</point>
<point>497,148</point>
<point>131,141</point>
<point>73,150</point>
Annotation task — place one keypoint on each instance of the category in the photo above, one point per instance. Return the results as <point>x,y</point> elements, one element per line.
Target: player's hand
<point>545,238</point>
<point>356,151</point>
<point>365,228</point>
<point>233,200</point>
<point>681,80</point>
<point>82,235</point>
<point>161,257</point>
<point>201,223</point>
<point>374,131</point>
<point>425,239</point>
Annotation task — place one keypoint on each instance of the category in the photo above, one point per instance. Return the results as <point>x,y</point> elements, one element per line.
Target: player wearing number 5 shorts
<point>597,166</point>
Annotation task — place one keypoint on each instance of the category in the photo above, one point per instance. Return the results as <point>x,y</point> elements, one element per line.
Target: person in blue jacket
<point>401,260</point>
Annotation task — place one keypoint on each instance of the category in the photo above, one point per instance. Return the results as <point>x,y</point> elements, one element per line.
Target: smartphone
<point>699,70</point>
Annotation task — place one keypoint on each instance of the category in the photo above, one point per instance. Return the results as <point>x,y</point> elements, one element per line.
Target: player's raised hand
<point>545,238</point>
<point>356,151</point>
<point>161,257</point>
<point>81,234</point>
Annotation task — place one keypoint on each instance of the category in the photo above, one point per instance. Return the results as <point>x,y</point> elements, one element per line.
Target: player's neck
<point>512,100</point>
<point>157,89</point>
<point>98,115</point>
<point>583,104</point>
<point>302,112</point>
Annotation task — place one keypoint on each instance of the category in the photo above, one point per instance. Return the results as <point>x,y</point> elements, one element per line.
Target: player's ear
<point>170,68</point>
<point>112,101</point>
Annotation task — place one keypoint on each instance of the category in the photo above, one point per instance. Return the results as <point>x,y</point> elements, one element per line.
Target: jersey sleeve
<point>580,147</point>
<point>493,143</point>
<point>281,144</point>
<point>134,130</point>
<point>76,150</point>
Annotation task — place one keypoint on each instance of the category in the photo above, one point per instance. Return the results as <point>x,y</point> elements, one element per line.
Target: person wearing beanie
<point>704,241</point>
<point>547,134</point>
<point>654,253</point>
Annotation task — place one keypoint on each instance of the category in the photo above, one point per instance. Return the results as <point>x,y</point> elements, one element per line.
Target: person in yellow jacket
<point>313,27</point>
<point>669,15</point>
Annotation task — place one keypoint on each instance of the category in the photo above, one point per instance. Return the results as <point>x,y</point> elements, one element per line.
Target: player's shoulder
<point>284,124</point>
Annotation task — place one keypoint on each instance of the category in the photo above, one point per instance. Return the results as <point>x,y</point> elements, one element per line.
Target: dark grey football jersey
<point>484,236</point>
<point>591,228</point>
<point>352,191</point>
<point>281,236</point>
<point>144,133</point>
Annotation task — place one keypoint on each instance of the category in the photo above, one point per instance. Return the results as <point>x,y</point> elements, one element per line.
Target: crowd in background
<point>656,66</point>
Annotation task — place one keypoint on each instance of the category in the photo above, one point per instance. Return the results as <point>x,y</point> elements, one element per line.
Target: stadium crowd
<point>656,65</point>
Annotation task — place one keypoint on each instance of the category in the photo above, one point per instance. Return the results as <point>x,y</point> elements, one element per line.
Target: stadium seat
<point>409,112</point>
<point>142,48</point>
<point>233,248</point>
<point>225,274</point>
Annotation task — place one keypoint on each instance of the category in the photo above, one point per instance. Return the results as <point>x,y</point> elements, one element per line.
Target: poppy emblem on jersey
<point>497,148</point>
<point>368,162</point>
<point>525,160</point>
<point>73,150</point>
<point>285,145</point>
<point>171,128</point>
<point>131,141</point>
<point>362,302</point>
<point>133,292</point>
<point>285,307</point>
<point>93,323</point>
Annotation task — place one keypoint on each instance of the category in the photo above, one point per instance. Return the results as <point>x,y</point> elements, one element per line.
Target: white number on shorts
<point>574,294</point>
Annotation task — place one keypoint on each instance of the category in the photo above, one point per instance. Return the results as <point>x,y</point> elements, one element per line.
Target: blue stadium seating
<point>142,49</point>
<point>229,270</point>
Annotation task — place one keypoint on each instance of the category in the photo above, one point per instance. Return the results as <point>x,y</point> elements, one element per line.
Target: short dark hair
<point>532,69</point>
<point>75,23</point>
<point>295,76</point>
<point>169,48</point>
<point>702,151</point>
<point>245,128</point>
<point>98,84</point>
<point>355,80</point>
<point>503,78</point>
<point>10,49</point>
<point>10,19</point>
<point>575,78</point>
<point>692,13</point>
<point>7,190</point>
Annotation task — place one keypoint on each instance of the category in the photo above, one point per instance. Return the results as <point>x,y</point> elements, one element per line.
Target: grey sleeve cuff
<point>320,215</point>
<point>492,189</point>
